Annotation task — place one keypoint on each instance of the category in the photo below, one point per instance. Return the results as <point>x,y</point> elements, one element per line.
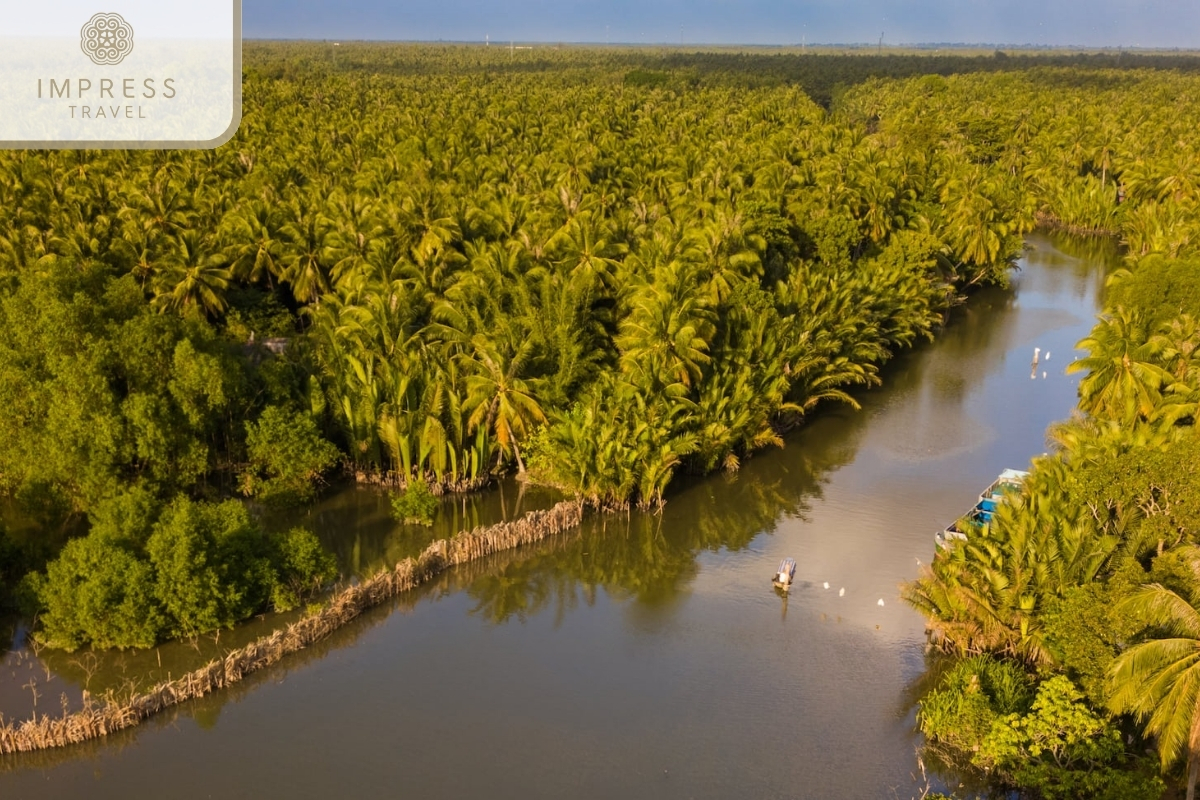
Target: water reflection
<point>640,656</point>
<point>356,524</point>
<point>650,560</point>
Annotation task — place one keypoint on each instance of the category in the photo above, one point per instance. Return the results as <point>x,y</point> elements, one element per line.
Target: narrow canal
<point>643,657</point>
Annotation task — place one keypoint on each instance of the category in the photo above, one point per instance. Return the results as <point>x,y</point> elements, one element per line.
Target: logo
<point>106,39</point>
<point>176,84</point>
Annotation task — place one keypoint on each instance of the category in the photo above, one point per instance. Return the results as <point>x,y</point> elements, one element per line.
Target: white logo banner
<point>120,73</point>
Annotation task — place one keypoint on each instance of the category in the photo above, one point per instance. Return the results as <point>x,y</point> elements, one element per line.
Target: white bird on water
<point>842,592</point>
<point>1047,355</point>
<point>881,601</point>
<point>826,584</point>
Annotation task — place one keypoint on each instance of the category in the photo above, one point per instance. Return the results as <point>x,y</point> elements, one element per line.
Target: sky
<point>1091,23</point>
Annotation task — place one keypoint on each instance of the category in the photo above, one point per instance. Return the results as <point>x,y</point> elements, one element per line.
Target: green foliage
<point>256,315</point>
<point>288,456</point>
<point>645,77</point>
<point>99,591</point>
<point>416,504</point>
<point>1143,484</point>
<point>974,693</point>
<point>1062,749</point>
<point>1041,739</point>
<point>1085,630</point>
<point>1157,679</point>
<point>1162,287</point>
<point>453,279</point>
<point>303,568</point>
<point>105,391</point>
<point>450,282</point>
<point>208,565</point>
<point>128,516</point>
<point>1126,373</point>
<point>144,573</point>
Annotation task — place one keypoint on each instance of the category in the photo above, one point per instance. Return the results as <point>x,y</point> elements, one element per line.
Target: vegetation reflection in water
<point>644,557</point>
<point>649,559</point>
<point>648,565</point>
<point>354,524</point>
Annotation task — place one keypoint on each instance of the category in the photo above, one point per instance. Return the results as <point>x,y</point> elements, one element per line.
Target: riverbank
<point>101,718</point>
<point>590,665</point>
<point>1049,221</point>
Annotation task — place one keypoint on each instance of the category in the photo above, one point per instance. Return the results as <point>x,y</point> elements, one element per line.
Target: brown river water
<point>643,656</point>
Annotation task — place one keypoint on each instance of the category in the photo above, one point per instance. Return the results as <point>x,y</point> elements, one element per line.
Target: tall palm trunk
<point>520,463</point>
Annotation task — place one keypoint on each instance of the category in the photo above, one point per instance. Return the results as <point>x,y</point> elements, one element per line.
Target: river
<point>642,657</point>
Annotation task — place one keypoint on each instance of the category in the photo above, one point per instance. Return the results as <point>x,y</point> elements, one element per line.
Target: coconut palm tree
<point>253,230</point>
<point>1158,680</point>
<point>664,340</point>
<point>498,399</point>
<point>193,276</point>
<point>1125,367</point>
<point>305,237</point>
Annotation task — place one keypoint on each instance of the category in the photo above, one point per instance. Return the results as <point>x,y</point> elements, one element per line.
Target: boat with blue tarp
<point>1009,481</point>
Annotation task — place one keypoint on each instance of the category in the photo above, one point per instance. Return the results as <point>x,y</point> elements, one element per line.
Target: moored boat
<point>980,516</point>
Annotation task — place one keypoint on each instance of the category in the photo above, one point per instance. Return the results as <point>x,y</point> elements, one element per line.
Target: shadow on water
<point>206,711</point>
<point>355,523</point>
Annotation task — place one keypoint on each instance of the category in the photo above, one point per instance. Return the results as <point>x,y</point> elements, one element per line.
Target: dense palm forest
<point>600,269</point>
<point>620,280</point>
<point>1071,620</point>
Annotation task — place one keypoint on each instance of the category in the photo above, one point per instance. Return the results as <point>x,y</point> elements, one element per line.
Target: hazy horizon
<point>550,43</point>
<point>1151,24</point>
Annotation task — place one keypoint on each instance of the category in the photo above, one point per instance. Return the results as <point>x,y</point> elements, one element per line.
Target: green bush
<point>1062,750</point>
<point>100,592</point>
<point>1085,631</point>
<point>1047,741</point>
<point>303,568</point>
<point>972,695</point>
<point>416,504</point>
<point>144,573</point>
<point>1160,286</point>
<point>288,456</point>
<point>210,564</point>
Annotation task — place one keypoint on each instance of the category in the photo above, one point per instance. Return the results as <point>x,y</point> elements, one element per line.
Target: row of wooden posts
<point>99,718</point>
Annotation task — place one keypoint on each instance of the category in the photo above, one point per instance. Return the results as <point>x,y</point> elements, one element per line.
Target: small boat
<point>784,575</point>
<point>980,516</point>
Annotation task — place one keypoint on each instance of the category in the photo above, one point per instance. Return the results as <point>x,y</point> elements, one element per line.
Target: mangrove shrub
<point>288,456</point>
<point>140,576</point>
<point>416,504</point>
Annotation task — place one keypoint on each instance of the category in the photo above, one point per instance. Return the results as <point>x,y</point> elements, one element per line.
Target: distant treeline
<point>822,75</point>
